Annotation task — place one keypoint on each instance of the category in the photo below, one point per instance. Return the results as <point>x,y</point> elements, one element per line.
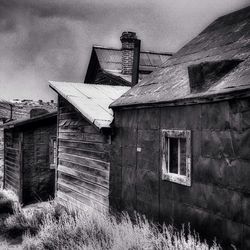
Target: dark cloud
<point>43,40</point>
<point>75,9</point>
<point>70,9</point>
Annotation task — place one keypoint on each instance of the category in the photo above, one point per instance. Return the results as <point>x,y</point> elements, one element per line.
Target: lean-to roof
<point>91,100</point>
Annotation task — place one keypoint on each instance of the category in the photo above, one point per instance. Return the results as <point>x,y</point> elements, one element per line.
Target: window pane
<point>173,151</point>
<point>183,156</point>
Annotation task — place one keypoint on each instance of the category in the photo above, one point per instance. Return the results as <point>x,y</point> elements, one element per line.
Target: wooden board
<point>13,163</point>
<point>83,160</point>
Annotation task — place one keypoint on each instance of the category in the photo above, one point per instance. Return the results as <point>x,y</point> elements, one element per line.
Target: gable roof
<point>110,60</point>
<point>227,38</point>
<point>91,100</point>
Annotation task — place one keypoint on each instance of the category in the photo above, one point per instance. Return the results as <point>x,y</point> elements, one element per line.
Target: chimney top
<point>128,36</point>
<point>130,52</point>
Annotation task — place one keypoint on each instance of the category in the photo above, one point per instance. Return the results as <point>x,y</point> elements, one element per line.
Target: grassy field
<point>65,228</point>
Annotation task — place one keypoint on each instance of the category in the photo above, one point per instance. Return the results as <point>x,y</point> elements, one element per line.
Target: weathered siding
<point>217,203</point>
<point>13,162</point>
<point>26,161</point>
<point>38,178</point>
<point>83,160</point>
<point>1,152</point>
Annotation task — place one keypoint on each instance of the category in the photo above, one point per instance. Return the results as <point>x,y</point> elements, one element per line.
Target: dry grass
<point>8,202</point>
<point>28,221</point>
<point>75,229</point>
<point>65,228</point>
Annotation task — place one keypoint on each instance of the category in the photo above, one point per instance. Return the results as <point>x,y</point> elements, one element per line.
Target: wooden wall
<point>27,167</point>
<point>83,160</point>
<point>1,152</point>
<point>218,202</point>
<point>38,178</point>
<point>13,162</point>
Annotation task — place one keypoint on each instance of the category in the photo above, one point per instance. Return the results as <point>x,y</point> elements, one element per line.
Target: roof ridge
<point>234,12</point>
<point>104,47</point>
<point>143,51</point>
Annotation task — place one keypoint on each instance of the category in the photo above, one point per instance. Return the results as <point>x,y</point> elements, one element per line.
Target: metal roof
<point>91,100</point>
<point>111,59</point>
<point>227,38</point>
<point>21,122</point>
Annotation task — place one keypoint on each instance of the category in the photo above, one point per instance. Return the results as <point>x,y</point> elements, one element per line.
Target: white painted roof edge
<point>90,119</point>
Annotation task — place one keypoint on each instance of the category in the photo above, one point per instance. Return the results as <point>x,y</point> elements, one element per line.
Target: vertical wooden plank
<point>20,147</point>
<point>57,142</point>
<point>4,161</point>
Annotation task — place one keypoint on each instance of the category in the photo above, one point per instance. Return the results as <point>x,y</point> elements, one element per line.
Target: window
<point>53,153</point>
<point>176,156</point>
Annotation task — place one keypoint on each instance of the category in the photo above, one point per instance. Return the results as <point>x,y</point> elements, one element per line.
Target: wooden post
<point>57,143</point>
<point>4,157</point>
<point>20,149</point>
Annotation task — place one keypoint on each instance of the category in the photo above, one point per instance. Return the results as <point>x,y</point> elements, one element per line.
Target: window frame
<point>165,138</point>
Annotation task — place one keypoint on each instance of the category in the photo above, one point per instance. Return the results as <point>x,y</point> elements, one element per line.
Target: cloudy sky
<point>43,40</point>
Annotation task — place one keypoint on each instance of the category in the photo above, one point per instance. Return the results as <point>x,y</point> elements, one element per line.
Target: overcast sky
<point>43,40</point>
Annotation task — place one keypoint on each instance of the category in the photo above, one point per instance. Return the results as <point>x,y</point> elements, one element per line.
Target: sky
<point>42,40</point>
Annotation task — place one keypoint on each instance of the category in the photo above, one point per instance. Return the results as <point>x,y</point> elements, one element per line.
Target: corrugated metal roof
<point>91,100</point>
<point>111,59</point>
<point>227,38</point>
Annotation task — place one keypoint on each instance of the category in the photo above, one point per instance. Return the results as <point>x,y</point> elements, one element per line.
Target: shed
<point>5,115</point>
<point>181,150</point>
<point>30,157</point>
<point>84,138</point>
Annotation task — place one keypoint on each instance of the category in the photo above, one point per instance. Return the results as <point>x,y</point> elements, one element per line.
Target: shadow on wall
<point>1,158</point>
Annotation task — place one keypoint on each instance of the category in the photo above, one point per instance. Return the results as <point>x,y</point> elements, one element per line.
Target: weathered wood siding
<point>13,162</point>
<point>26,161</point>
<point>38,178</point>
<point>218,202</point>
<point>1,149</point>
<point>83,160</point>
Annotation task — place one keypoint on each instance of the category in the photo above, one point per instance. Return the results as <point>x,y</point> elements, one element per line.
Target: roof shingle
<point>227,38</point>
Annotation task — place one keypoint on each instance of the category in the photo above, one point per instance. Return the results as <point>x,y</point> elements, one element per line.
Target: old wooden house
<point>30,156</point>
<point>84,138</point>
<point>5,115</point>
<point>125,66</point>
<point>181,150</point>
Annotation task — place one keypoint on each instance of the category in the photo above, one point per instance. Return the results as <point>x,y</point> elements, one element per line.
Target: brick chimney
<point>130,53</point>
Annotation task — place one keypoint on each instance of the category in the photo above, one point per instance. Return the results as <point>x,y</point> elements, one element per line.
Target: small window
<point>176,156</point>
<point>53,153</point>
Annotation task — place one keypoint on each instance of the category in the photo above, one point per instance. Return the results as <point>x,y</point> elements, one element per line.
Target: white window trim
<point>166,175</point>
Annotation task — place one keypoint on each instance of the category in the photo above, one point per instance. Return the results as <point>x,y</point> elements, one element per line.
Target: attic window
<point>176,156</point>
<point>203,75</point>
